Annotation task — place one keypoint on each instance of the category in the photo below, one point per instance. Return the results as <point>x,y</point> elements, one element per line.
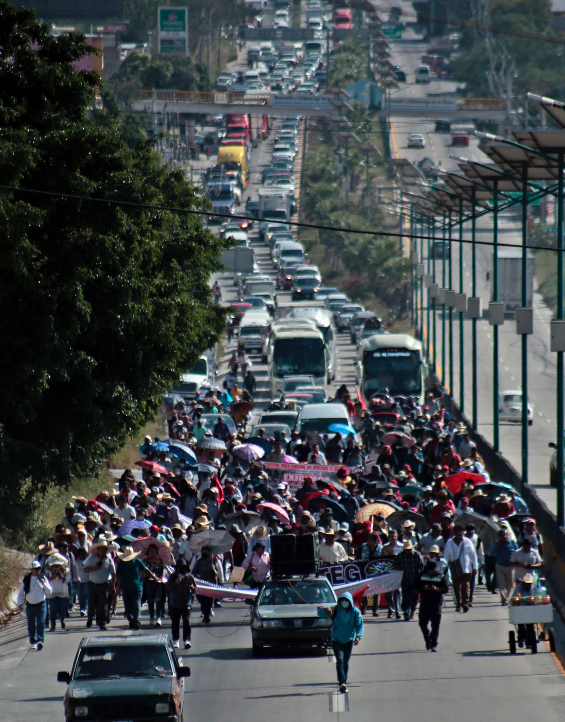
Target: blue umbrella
<point>160,446</point>
<point>127,526</point>
<point>341,429</point>
<point>181,451</point>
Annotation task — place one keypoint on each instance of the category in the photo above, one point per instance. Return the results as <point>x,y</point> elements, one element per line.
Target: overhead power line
<point>294,224</point>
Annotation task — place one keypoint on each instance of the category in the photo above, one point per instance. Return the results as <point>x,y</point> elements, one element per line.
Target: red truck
<point>342,17</point>
<point>238,126</point>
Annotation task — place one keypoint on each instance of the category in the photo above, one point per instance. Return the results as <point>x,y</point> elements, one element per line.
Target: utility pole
<point>210,45</point>
<point>219,46</point>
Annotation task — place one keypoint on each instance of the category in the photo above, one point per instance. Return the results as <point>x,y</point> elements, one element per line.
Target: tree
<point>102,305</point>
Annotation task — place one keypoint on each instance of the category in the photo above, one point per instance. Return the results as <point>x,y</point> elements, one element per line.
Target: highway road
<point>541,362</point>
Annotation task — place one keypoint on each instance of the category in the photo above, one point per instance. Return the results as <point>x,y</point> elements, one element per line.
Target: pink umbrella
<point>152,466</point>
<point>289,460</point>
<point>396,436</point>
<point>277,510</point>
<point>249,452</point>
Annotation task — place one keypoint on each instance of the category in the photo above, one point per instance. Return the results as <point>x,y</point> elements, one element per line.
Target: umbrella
<point>152,466</point>
<point>384,508</point>
<point>412,489</point>
<point>182,451</point>
<point>395,437</point>
<point>159,446</point>
<point>248,452</point>
<point>342,429</point>
<point>289,460</point>
<point>454,482</point>
<point>264,443</point>
<point>207,469</point>
<point>246,520</point>
<point>219,540</point>
<point>210,443</point>
<point>242,407</point>
<point>209,387</point>
<point>339,513</point>
<point>399,517</point>
<point>307,498</point>
<point>163,550</point>
<point>104,507</point>
<point>277,510</point>
<point>127,526</point>
<point>486,528</point>
<point>173,488</point>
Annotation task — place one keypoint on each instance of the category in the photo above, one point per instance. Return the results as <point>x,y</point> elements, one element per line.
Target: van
<point>315,419</point>
<point>423,74</point>
<point>324,322</point>
<point>291,252</point>
<point>253,331</point>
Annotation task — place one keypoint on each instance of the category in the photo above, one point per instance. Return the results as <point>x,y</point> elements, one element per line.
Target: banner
<point>349,572</point>
<point>294,474</point>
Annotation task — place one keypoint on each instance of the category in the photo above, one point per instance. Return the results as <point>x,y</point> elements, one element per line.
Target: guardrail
<point>480,104</point>
<point>205,97</point>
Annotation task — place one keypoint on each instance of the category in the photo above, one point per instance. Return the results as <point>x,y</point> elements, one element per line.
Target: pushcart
<point>530,615</point>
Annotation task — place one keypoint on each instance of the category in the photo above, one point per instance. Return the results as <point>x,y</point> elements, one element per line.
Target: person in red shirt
<point>444,504</point>
<point>503,507</point>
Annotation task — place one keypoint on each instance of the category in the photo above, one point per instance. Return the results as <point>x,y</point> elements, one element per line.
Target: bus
<point>392,363</point>
<point>324,321</point>
<point>296,352</point>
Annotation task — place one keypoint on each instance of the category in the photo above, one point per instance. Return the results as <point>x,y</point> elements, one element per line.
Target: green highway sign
<point>392,32</point>
<point>518,196</point>
<point>551,229</point>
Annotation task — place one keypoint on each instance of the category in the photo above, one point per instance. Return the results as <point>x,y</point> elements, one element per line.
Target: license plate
<point>298,622</point>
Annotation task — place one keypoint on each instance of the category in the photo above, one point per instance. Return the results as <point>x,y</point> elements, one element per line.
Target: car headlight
<point>257,623</point>
<point>272,623</point>
<point>81,711</point>
<point>298,290</point>
<point>162,708</point>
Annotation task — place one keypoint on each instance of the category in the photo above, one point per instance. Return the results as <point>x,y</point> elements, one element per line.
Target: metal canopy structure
<point>511,159</point>
<point>550,142</point>
<point>489,176</point>
<point>554,108</point>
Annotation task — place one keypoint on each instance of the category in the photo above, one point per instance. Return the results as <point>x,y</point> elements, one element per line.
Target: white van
<point>423,74</point>
<point>253,332</point>
<point>315,419</point>
<point>191,381</point>
<point>252,76</point>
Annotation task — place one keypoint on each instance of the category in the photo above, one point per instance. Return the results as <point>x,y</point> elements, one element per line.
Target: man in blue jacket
<point>347,630</point>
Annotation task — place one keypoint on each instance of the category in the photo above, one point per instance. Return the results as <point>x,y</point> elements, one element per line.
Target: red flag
<point>360,399</point>
<point>358,596</point>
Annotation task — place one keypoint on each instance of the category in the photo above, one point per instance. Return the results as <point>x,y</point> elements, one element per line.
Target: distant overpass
<point>329,106</point>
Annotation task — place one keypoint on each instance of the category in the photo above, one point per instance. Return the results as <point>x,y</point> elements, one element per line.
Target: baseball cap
<point>35,565</point>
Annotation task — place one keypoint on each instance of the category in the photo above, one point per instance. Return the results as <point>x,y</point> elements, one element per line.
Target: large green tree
<point>102,305</point>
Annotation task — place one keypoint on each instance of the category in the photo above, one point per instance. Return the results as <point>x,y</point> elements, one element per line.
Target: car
<point>305,287</point>
<point>291,383</point>
<point>510,407</point>
<point>326,291</point>
<point>191,381</point>
<point>399,74</point>
<point>371,327</point>
<point>335,301</point>
<point>317,392</point>
<point>136,676</point>
<point>285,614</point>
<point>345,315</point>
<point>210,420</point>
<point>288,418</point>
<point>270,301</point>
<point>271,429</point>
<point>304,271</point>
<point>443,126</point>
<point>256,303</point>
<point>317,418</point>
<point>460,137</point>
<point>357,322</point>
<point>416,140</point>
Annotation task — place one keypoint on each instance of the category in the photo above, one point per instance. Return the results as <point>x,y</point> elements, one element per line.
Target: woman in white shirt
<point>35,588</point>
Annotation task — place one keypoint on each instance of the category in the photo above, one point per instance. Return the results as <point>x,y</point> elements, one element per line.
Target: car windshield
<point>141,660</point>
<point>200,367</point>
<point>287,419</point>
<point>298,591</point>
<point>307,281</point>
<point>299,356</point>
<point>512,399</point>
<point>291,384</point>
<point>321,426</point>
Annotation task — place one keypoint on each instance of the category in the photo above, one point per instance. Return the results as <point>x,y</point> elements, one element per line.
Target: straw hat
<point>528,578</point>
<point>408,545</point>
<point>478,494</point>
<point>166,497</point>
<point>204,524</point>
<point>177,526</point>
<point>329,532</point>
<point>466,464</point>
<point>504,499</point>
<point>128,554</point>
<point>260,532</point>
<point>434,549</point>
<point>100,544</point>
<point>47,549</point>
<point>203,508</point>
<point>409,524</point>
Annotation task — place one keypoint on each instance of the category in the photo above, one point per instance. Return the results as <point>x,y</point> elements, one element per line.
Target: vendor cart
<point>530,615</point>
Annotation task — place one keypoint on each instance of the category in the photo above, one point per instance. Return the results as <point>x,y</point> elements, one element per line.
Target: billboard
<point>73,10</point>
<point>172,25</point>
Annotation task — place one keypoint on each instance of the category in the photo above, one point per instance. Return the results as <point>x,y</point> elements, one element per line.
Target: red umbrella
<point>454,482</point>
<point>307,498</point>
<point>152,466</point>
<point>277,510</point>
<point>140,545</point>
<point>173,488</point>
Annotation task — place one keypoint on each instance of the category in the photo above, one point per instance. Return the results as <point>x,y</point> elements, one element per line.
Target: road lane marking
<point>339,702</point>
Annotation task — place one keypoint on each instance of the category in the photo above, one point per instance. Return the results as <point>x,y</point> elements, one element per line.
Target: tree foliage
<point>102,305</point>
<point>349,64</point>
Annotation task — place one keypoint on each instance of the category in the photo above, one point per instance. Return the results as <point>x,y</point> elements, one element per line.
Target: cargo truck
<point>510,279</point>
<point>274,205</point>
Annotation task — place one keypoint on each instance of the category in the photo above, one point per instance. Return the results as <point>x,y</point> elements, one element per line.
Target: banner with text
<point>294,474</point>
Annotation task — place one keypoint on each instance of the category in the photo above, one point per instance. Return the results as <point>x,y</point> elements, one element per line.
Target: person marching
<point>347,630</point>
<point>432,585</point>
<point>35,588</point>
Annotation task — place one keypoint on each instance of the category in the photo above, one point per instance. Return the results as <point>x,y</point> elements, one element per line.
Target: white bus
<point>392,363</point>
<point>324,321</point>
<point>296,352</point>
